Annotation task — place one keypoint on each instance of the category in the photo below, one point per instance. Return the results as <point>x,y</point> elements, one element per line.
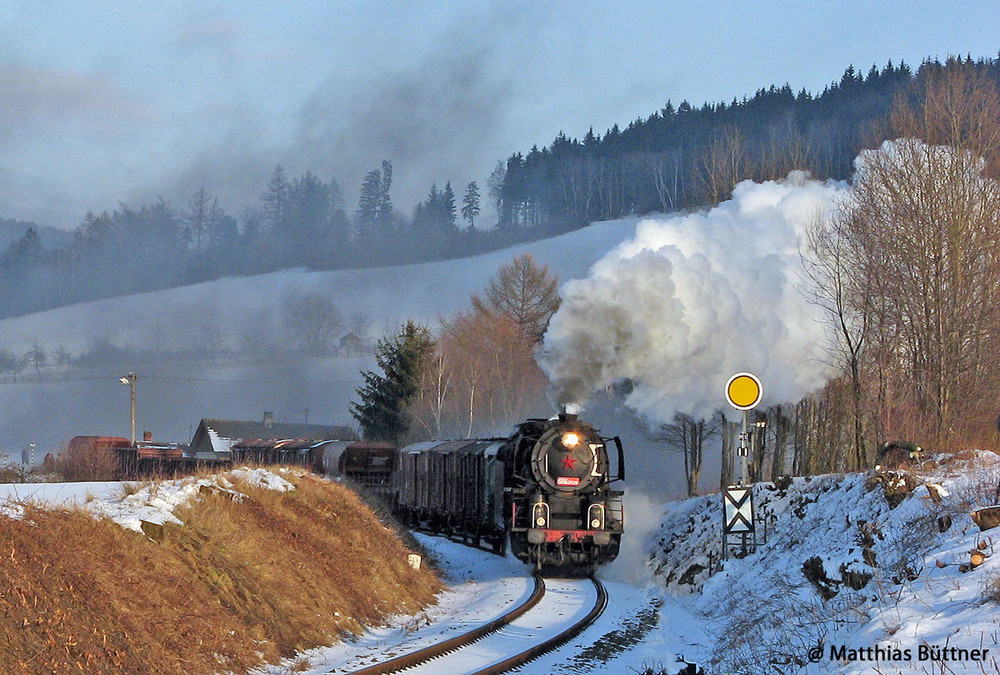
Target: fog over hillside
<point>221,349</point>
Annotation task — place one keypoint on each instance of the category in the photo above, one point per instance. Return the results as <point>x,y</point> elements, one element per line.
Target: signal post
<point>743,392</point>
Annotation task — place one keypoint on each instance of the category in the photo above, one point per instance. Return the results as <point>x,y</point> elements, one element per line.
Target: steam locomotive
<point>546,488</point>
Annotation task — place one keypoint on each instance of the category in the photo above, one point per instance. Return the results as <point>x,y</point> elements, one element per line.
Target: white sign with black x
<point>739,509</point>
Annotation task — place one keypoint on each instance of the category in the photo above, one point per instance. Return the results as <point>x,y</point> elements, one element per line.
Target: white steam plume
<point>694,299</point>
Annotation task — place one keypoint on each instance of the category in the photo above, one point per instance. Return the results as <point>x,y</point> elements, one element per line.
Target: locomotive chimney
<point>569,412</point>
<point>268,419</point>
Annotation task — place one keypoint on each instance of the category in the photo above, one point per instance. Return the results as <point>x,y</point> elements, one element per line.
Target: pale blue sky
<point>125,99</point>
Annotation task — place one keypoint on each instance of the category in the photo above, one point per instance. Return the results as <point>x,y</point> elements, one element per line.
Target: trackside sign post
<point>739,510</point>
<point>744,392</point>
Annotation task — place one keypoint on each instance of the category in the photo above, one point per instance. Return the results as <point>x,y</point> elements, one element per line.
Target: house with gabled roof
<point>215,438</point>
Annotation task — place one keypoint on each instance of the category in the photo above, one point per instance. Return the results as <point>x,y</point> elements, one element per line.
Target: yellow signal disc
<point>744,391</point>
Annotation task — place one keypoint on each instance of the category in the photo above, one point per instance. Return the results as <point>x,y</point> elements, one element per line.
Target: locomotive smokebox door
<point>567,458</point>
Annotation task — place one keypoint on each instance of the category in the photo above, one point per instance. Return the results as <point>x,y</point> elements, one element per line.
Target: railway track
<point>554,614</point>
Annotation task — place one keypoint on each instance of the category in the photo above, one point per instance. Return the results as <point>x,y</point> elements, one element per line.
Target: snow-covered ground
<point>913,590</point>
<point>482,586</point>
<point>843,579</point>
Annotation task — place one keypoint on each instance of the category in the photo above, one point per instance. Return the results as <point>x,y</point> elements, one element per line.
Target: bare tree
<point>666,173</point>
<point>724,165</point>
<point>37,357</point>
<point>468,340</point>
<point>429,410</point>
<point>955,104</point>
<point>313,321</point>
<point>11,363</point>
<point>525,292</point>
<point>481,376</point>
<point>687,436</point>
<point>840,285</point>
<point>727,430</point>
<point>61,355</point>
<point>779,424</point>
<point>920,224</point>
<point>784,150</point>
<point>494,186</point>
<point>201,217</point>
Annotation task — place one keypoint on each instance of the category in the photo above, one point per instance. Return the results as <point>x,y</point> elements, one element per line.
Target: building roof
<point>236,430</point>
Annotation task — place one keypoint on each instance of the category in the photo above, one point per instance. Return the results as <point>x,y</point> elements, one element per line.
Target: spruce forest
<point>682,156</point>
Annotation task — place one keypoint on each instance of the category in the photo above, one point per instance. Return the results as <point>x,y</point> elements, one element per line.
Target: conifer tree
<point>470,204</point>
<point>370,200</point>
<point>384,201</point>
<point>383,410</point>
<point>275,200</point>
<point>448,205</point>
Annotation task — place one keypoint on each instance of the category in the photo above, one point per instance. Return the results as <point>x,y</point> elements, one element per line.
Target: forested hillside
<point>679,157</point>
<point>684,156</point>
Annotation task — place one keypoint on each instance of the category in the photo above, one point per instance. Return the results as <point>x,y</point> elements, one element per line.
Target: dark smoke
<point>439,118</point>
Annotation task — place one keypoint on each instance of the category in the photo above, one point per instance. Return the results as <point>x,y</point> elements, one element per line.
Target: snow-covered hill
<point>844,572</point>
<point>172,319</point>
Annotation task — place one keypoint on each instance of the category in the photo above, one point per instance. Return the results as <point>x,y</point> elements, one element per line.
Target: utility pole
<point>130,381</point>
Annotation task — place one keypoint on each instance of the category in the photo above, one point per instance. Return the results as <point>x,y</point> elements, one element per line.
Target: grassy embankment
<point>240,583</point>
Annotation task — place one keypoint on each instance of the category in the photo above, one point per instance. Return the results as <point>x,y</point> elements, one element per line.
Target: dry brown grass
<point>239,582</point>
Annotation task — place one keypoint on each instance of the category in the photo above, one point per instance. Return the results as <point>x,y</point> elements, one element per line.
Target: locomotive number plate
<point>567,480</point>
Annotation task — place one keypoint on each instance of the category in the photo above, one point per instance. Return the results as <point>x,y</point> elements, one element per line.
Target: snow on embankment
<point>850,562</point>
<point>201,575</point>
<point>152,502</point>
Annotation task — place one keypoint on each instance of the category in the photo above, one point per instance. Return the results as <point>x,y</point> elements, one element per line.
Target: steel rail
<point>433,651</point>
<point>555,641</point>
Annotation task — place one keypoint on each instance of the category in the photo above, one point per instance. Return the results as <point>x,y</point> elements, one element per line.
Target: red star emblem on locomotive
<point>568,462</point>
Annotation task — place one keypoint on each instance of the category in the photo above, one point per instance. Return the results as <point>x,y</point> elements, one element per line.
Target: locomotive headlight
<point>540,513</point>
<point>570,439</point>
<point>595,514</point>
